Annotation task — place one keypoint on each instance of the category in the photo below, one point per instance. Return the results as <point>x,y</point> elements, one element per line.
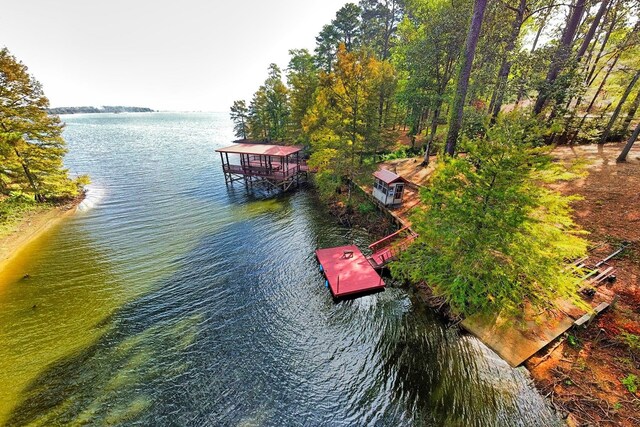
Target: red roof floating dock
<point>348,271</point>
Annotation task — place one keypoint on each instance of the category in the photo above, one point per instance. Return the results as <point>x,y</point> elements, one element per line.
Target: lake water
<point>170,299</point>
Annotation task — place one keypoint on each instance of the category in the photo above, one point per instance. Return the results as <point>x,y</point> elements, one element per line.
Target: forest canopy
<point>501,81</point>
<point>574,65</point>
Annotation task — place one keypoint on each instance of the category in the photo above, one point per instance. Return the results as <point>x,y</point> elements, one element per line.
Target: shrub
<point>491,236</point>
<point>630,383</point>
<point>366,208</point>
<point>633,341</point>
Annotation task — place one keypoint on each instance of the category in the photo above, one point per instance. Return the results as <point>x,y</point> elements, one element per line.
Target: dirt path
<point>583,373</point>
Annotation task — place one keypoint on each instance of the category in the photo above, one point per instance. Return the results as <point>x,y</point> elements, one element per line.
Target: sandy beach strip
<point>28,230</point>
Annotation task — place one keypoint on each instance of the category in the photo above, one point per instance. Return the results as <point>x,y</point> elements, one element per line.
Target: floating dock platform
<point>348,272</point>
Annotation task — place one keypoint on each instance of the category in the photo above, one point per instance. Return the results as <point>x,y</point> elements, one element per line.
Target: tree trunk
<point>616,112</point>
<point>539,32</point>
<point>592,49</point>
<point>593,100</point>
<point>505,68</point>
<point>434,122</point>
<point>455,121</point>
<point>388,30</point>
<point>353,144</point>
<point>590,74</point>
<point>625,151</point>
<point>380,108</point>
<point>581,51</point>
<point>602,83</point>
<point>3,187</point>
<point>432,134</point>
<point>592,30</point>
<point>425,160</point>
<point>632,112</point>
<point>30,177</point>
<point>562,54</point>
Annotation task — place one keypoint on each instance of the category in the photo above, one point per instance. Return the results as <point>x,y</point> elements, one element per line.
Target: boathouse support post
<point>224,169</point>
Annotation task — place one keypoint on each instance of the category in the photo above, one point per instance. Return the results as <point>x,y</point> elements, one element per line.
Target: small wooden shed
<point>388,187</point>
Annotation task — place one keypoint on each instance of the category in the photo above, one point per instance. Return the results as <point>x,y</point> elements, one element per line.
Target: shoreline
<point>28,230</point>
<point>593,361</point>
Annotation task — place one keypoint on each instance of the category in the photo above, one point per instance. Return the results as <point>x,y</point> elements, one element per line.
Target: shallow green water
<point>171,299</point>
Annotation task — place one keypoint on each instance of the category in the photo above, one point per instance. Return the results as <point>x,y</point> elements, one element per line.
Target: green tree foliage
<point>258,119</point>
<point>344,29</point>
<point>277,106</point>
<point>491,236</point>
<point>572,62</point>
<point>457,107</point>
<point>239,116</point>
<point>427,56</point>
<point>31,143</point>
<point>326,48</point>
<point>379,23</point>
<point>347,26</point>
<point>342,124</point>
<point>303,79</point>
<point>268,115</point>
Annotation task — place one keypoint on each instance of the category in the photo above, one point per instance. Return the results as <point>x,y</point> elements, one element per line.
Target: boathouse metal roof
<point>261,149</point>
<point>387,177</point>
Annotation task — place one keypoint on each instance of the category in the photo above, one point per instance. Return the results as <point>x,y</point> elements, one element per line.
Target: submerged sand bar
<point>32,227</point>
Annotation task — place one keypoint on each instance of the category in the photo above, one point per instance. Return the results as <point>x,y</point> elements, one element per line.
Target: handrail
<point>391,236</point>
<point>261,171</point>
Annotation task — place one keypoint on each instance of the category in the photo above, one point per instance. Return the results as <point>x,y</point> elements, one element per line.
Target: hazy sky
<point>167,55</point>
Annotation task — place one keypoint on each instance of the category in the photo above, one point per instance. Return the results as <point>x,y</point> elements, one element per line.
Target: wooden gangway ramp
<point>388,248</point>
<point>348,272</point>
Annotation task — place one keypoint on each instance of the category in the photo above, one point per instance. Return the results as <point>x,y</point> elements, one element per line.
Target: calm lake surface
<point>171,299</point>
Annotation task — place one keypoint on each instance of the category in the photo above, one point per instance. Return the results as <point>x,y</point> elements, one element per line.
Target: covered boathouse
<point>275,166</point>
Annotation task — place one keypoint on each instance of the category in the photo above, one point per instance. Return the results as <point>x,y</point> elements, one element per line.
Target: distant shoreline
<point>104,109</point>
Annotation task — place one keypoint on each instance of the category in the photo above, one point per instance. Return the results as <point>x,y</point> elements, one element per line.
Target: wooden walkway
<point>516,343</point>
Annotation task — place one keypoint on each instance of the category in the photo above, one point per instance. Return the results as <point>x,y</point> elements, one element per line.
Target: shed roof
<point>387,177</point>
<point>261,149</point>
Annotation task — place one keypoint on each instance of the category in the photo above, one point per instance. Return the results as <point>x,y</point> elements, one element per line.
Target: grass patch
<point>633,341</point>
<point>630,382</point>
<point>13,208</point>
<point>573,341</point>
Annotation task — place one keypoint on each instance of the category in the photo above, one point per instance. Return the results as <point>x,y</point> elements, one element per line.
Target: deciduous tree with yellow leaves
<point>31,143</point>
<point>343,124</point>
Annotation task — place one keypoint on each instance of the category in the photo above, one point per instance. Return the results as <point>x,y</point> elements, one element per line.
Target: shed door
<point>399,191</point>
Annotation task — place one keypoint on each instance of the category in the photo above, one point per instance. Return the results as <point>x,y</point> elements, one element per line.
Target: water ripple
<point>176,300</point>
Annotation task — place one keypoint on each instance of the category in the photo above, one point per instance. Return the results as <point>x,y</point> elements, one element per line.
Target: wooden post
<point>297,168</point>
<point>614,301</point>
<point>244,171</point>
<point>284,177</point>
<point>224,172</point>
